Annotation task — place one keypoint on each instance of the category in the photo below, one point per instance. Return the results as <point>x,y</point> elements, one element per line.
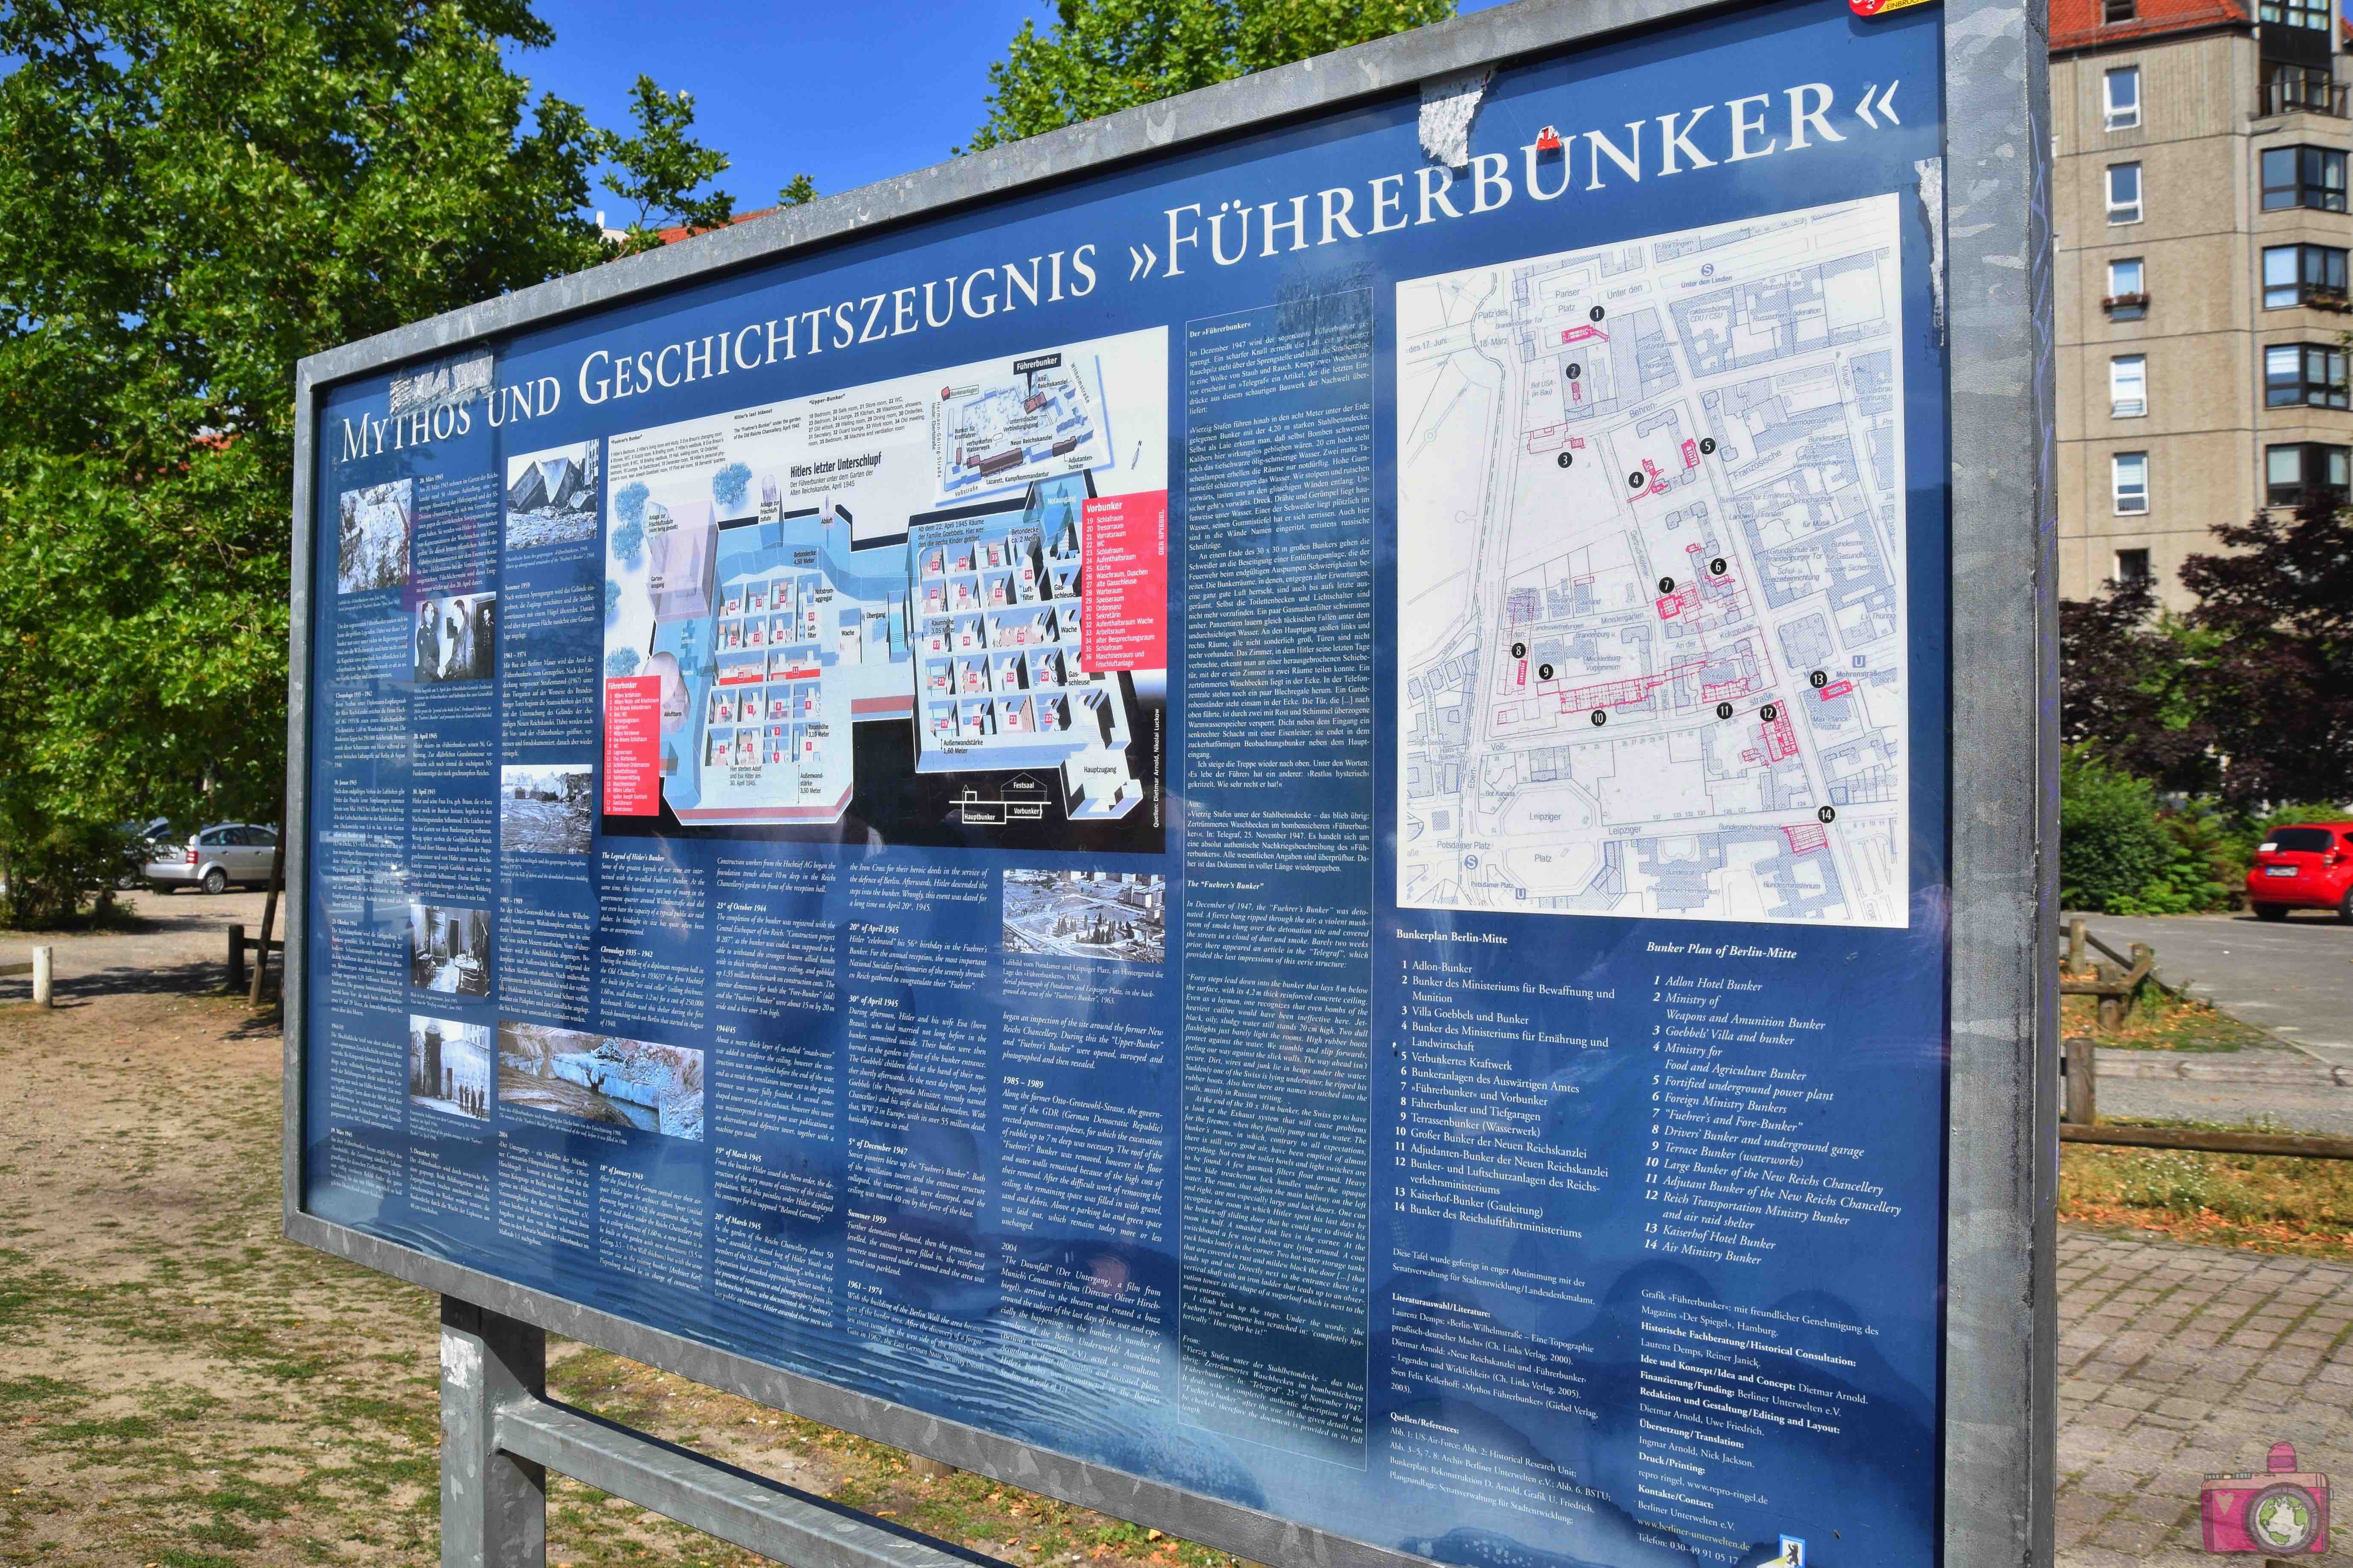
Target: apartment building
<point>2199,196</point>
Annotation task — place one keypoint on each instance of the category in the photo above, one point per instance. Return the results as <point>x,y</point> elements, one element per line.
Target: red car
<point>2307,866</point>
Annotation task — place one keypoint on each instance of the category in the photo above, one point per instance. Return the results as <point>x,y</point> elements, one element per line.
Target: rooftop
<point>2077,24</point>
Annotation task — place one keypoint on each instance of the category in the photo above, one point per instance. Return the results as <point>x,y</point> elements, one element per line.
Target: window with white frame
<point>2132,567</point>
<point>2124,193</point>
<point>2127,298</point>
<point>2128,482</point>
<point>2129,387</point>
<point>2120,97</point>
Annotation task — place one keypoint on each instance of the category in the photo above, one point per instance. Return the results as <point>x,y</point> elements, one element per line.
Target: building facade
<point>2199,151</point>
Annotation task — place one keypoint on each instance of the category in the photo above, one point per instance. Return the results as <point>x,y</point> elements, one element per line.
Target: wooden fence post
<point>268,919</point>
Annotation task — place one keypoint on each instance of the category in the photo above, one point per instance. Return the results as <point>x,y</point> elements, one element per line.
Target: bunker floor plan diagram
<point>1651,619</point>
<point>911,554</point>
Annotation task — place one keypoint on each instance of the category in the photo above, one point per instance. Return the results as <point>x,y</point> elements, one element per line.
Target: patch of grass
<point>174,1557</point>
<point>2266,1203</point>
<point>2159,1023</point>
<point>37,1390</point>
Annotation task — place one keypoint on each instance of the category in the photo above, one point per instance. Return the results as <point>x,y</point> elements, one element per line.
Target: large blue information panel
<point>1276,817</point>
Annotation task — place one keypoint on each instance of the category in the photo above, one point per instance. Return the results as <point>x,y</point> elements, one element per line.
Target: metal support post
<point>500,1436</point>
<point>493,1503</point>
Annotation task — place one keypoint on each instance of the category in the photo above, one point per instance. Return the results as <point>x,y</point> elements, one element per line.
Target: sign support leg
<point>493,1504</point>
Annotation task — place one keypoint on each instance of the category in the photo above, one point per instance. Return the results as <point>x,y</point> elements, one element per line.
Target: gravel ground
<point>180,944</point>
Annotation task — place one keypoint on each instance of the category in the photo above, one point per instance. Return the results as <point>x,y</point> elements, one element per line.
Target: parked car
<point>142,842</point>
<point>2307,866</point>
<point>224,853</point>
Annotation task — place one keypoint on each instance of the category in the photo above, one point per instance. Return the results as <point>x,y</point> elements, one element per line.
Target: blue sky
<point>851,92</point>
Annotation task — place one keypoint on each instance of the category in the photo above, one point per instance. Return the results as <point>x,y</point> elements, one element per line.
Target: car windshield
<point>2302,840</point>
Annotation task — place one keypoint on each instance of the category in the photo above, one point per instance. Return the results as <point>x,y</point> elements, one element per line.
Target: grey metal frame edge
<point>2002,1147</point>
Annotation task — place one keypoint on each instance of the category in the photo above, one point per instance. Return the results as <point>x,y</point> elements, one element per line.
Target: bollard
<point>2080,1102</point>
<point>237,958</point>
<point>44,975</point>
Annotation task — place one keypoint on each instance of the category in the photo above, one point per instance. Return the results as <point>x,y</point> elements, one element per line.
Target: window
<point>2120,97</point>
<point>2310,375</point>
<point>2127,386</point>
<point>2113,11</point>
<point>2297,13</point>
<point>2300,841</point>
<point>2127,298</point>
<point>215,838</point>
<point>2128,476</point>
<point>2132,567</point>
<point>2292,474</point>
<point>2295,274</point>
<point>2290,87</point>
<point>263,837</point>
<point>2124,193</point>
<point>2304,177</point>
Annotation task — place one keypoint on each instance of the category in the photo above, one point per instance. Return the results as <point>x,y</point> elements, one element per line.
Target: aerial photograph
<point>1086,914</point>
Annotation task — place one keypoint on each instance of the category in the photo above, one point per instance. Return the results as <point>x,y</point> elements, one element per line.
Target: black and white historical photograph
<point>1086,914</point>
<point>457,638</point>
<point>371,537</point>
<point>546,810</point>
<point>602,1078</point>
<point>552,496</point>
<point>450,1066</point>
<point>450,949</point>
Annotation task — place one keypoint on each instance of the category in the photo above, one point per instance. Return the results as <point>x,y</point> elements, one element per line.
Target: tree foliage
<point>2111,848</point>
<point>2275,678</point>
<point>1103,55</point>
<point>2249,695</point>
<point>2127,687</point>
<point>656,169</point>
<point>192,197</point>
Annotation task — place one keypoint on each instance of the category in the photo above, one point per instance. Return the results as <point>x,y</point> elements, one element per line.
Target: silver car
<point>224,853</point>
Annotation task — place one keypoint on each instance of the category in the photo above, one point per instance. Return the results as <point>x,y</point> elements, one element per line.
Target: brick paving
<point>2176,1363</point>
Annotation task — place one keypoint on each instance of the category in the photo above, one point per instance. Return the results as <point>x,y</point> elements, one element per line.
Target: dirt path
<point>181,1388</point>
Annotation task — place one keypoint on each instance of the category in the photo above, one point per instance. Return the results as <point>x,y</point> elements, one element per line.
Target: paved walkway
<point>2176,1363</point>
<point>2294,978</point>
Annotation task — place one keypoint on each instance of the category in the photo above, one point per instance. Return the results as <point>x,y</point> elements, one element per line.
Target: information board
<point>1275,816</point>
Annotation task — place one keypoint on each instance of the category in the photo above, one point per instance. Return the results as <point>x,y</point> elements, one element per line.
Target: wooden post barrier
<point>239,944</point>
<point>2079,1066</point>
<point>268,919</point>
<point>2114,990</point>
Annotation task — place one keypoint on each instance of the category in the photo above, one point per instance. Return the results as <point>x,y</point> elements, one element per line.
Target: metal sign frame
<point>2002,1143</point>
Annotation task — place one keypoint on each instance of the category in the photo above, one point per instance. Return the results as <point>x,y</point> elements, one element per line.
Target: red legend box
<point>633,746</point>
<point>1124,590</point>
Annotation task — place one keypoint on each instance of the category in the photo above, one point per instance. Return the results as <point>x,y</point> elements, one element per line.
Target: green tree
<point>1103,55</point>
<point>2112,848</point>
<point>659,166</point>
<point>192,197</point>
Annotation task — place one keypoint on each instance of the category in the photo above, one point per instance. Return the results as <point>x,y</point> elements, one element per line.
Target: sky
<point>848,91</point>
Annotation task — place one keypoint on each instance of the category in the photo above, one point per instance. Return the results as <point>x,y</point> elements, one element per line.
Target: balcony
<point>2304,96</point>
